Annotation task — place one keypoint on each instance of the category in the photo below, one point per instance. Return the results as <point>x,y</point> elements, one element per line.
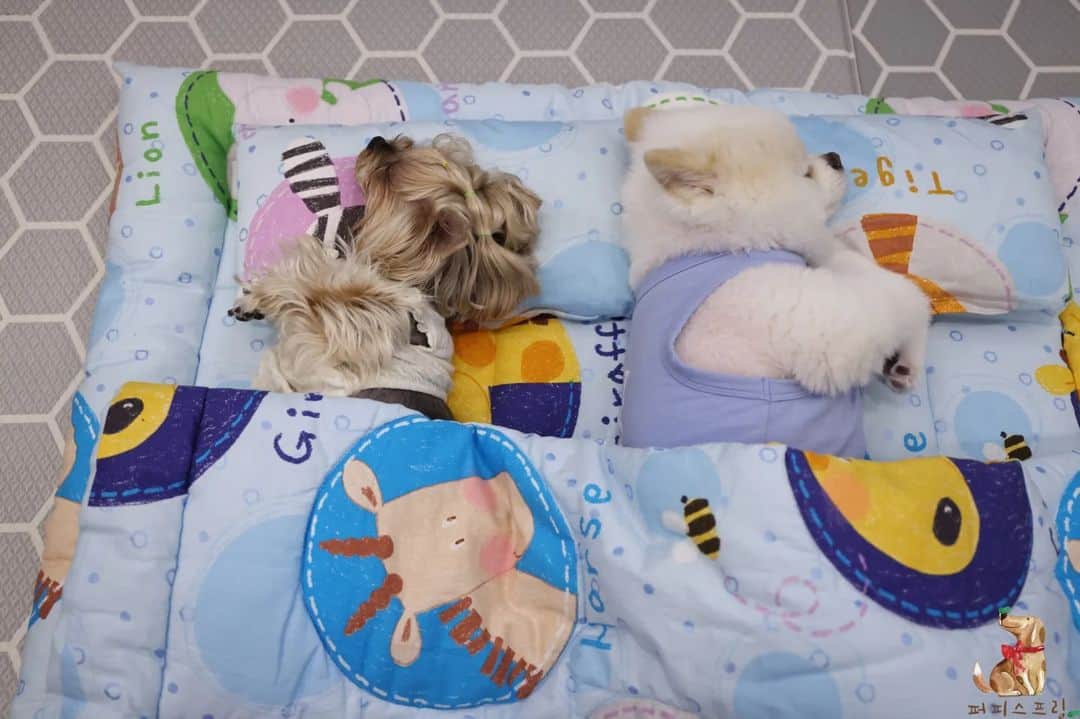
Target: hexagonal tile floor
<point>58,99</point>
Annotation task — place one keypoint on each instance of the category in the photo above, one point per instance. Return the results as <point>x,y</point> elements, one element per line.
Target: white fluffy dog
<point>737,182</point>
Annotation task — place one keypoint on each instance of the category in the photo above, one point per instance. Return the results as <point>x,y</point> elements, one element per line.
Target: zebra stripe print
<point>313,178</point>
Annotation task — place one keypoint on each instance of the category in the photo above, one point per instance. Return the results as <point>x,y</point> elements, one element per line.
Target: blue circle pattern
<point>444,672</point>
<point>808,692</point>
<point>1032,251</point>
<point>666,477</point>
<point>982,415</point>
<point>243,655</point>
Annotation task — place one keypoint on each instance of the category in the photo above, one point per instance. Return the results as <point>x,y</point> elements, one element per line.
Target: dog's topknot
<point>436,220</point>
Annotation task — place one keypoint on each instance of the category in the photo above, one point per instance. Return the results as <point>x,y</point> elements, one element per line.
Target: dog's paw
<point>240,315</point>
<point>245,310</point>
<point>899,373</point>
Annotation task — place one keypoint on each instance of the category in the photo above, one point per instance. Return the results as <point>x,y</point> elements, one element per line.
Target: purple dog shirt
<point>668,403</point>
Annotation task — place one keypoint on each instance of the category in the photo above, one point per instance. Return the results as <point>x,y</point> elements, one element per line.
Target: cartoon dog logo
<point>456,545</point>
<point>1022,671</point>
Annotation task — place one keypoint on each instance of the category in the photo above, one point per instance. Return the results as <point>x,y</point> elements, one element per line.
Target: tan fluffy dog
<point>440,238</point>
<point>1023,670</point>
<point>436,220</point>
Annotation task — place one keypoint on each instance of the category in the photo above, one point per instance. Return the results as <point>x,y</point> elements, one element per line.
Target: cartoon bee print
<point>1015,446</point>
<point>701,525</point>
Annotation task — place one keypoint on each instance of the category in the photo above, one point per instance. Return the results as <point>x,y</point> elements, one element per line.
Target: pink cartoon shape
<point>302,99</point>
<point>283,217</point>
<point>976,109</point>
<point>261,100</point>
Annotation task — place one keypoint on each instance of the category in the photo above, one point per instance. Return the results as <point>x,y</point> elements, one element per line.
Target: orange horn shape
<point>375,603</point>
<point>381,546</point>
<point>891,237</point>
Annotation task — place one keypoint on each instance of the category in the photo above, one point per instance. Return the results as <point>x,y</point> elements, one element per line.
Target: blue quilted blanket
<point>246,554</point>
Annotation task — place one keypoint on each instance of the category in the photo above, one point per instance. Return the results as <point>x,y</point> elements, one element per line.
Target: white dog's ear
<point>681,172</point>
<point>633,121</point>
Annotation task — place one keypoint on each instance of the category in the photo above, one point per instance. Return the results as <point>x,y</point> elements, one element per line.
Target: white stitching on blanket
<point>1067,525</point>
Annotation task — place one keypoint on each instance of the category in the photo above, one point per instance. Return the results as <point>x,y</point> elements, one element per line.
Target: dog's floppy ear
<point>681,172</point>
<point>633,121</point>
<point>451,232</point>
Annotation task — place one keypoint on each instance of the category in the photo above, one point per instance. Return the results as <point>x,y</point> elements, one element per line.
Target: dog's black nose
<point>833,160</point>
<point>378,144</point>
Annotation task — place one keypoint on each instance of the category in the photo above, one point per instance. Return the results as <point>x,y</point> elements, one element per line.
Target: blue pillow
<point>964,207</point>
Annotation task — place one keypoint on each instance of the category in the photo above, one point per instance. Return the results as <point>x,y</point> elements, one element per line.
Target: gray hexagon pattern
<point>618,50</point>
<point>468,48</point>
<point>617,5</point>
<point>8,677</point>
<point>914,84</point>
<point>27,289</point>
<point>56,85</point>
<point>165,7</point>
<point>316,7</point>
<point>83,316</point>
<point>149,39</point>
<point>1047,31</point>
<point>254,65</point>
<point>541,70</point>
<point>18,554</point>
<point>97,226</point>
<point>551,25</point>
<point>467,6</point>
<point>788,65</point>
<point>45,346</point>
<point>867,68</point>
<point>15,134</point>
<point>50,102</point>
<point>689,24</point>
<point>8,225</point>
<point>969,55</point>
<point>22,7</point>
<point>322,47</point>
<point>34,454</point>
<point>981,15</point>
<point>1055,84</point>
<point>391,68</point>
<point>58,181</point>
<point>239,25</point>
<point>704,70</point>
<point>833,76</point>
<point>21,54</point>
<point>71,29</point>
<point>904,31</point>
<point>392,24</point>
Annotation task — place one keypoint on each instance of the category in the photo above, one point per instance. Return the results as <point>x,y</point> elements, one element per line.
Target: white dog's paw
<point>899,373</point>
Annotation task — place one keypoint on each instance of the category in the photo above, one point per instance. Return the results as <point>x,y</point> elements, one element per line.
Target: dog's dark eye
<point>809,171</point>
<point>499,237</point>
